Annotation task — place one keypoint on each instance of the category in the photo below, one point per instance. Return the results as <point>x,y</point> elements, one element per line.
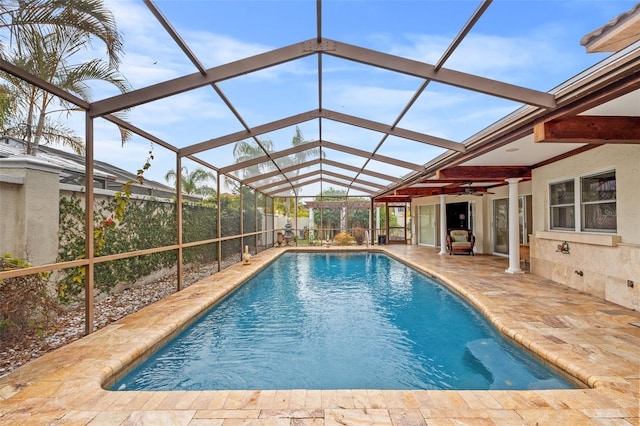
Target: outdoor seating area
<point>460,241</point>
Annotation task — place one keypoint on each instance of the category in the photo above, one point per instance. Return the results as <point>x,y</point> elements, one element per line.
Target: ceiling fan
<point>467,189</point>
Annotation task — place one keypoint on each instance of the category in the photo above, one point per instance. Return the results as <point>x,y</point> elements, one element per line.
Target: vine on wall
<point>143,224</point>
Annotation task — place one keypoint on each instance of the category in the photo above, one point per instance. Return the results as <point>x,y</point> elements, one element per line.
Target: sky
<point>534,44</point>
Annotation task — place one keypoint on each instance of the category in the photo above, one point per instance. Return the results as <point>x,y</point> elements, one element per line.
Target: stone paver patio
<point>587,337</point>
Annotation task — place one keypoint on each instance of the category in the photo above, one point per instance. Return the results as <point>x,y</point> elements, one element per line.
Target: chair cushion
<point>461,245</point>
<point>459,236</point>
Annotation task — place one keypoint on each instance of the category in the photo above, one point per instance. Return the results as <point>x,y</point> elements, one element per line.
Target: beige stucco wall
<point>11,196</point>
<point>29,208</point>
<point>598,263</point>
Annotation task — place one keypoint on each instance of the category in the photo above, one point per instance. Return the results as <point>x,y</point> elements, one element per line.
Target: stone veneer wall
<point>605,265</point>
<point>593,265</point>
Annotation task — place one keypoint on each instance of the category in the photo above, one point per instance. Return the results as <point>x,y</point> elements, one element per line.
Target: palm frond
<point>46,36</point>
<point>88,16</point>
<point>52,133</point>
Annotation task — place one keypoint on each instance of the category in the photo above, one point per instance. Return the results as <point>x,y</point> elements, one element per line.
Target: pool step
<point>496,360</point>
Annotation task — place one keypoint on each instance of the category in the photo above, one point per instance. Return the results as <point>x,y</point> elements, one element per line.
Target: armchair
<point>460,241</point>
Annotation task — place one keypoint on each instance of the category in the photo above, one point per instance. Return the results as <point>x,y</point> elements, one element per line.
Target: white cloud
<point>153,56</point>
<point>515,59</point>
<point>216,49</point>
<point>191,106</point>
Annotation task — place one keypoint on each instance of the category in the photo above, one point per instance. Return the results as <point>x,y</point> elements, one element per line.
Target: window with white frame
<point>598,202</point>
<point>595,199</point>
<point>562,203</point>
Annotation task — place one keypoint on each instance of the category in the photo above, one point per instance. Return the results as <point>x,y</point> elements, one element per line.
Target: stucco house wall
<point>604,264</point>
<point>29,209</point>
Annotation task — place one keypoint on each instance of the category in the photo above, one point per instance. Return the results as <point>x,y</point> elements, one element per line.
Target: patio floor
<point>588,337</point>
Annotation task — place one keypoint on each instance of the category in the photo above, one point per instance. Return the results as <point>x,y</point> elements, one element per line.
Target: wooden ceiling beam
<point>393,199</point>
<point>420,191</point>
<point>591,129</point>
<point>484,173</point>
<point>428,192</point>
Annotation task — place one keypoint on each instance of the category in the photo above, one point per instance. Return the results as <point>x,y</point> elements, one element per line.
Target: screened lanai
<point>336,159</point>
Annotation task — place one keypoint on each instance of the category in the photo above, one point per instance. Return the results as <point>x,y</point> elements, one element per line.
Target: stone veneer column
<point>443,224</point>
<point>514,220</point>
<point>30,219</point>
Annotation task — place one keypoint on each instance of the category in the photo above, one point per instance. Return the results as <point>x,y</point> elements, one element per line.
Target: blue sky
<point>535,44</point>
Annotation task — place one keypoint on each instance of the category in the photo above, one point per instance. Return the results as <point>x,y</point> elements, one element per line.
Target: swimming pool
<point>340,321</point>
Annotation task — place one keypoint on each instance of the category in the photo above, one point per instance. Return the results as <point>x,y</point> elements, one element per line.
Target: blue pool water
<point>340,321</point>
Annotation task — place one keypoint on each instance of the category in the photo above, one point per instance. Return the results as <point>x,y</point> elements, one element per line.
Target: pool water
<point>341,321</point>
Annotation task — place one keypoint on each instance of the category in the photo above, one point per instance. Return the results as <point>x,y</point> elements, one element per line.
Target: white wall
<point>281,221</point>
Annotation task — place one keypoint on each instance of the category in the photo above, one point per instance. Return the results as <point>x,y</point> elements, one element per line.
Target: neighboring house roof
<point>617,34</point>
<point>106,176</point>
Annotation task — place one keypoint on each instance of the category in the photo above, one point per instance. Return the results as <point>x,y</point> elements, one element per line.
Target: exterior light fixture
<point>563,248</point>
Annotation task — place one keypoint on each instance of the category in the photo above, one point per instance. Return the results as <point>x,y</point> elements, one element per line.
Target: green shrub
<point>26,305</point>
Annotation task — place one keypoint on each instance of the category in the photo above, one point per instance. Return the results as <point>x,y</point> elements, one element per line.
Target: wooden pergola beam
<point>484,173</point>
<point>337,204</point>
<point>591,129</point>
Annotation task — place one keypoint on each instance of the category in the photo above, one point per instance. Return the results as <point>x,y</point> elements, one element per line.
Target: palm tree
<point>298,158</point>
<point>90,17</point>
<point>302,156</point>
<point>45,36</point>
<point>247,150</point>
<point>7,105</point>
<point>192,182</point>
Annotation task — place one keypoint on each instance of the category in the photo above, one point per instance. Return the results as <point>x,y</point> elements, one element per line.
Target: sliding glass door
<point>427,221</point>
<point>501,226</point>
<point>501,223</point>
